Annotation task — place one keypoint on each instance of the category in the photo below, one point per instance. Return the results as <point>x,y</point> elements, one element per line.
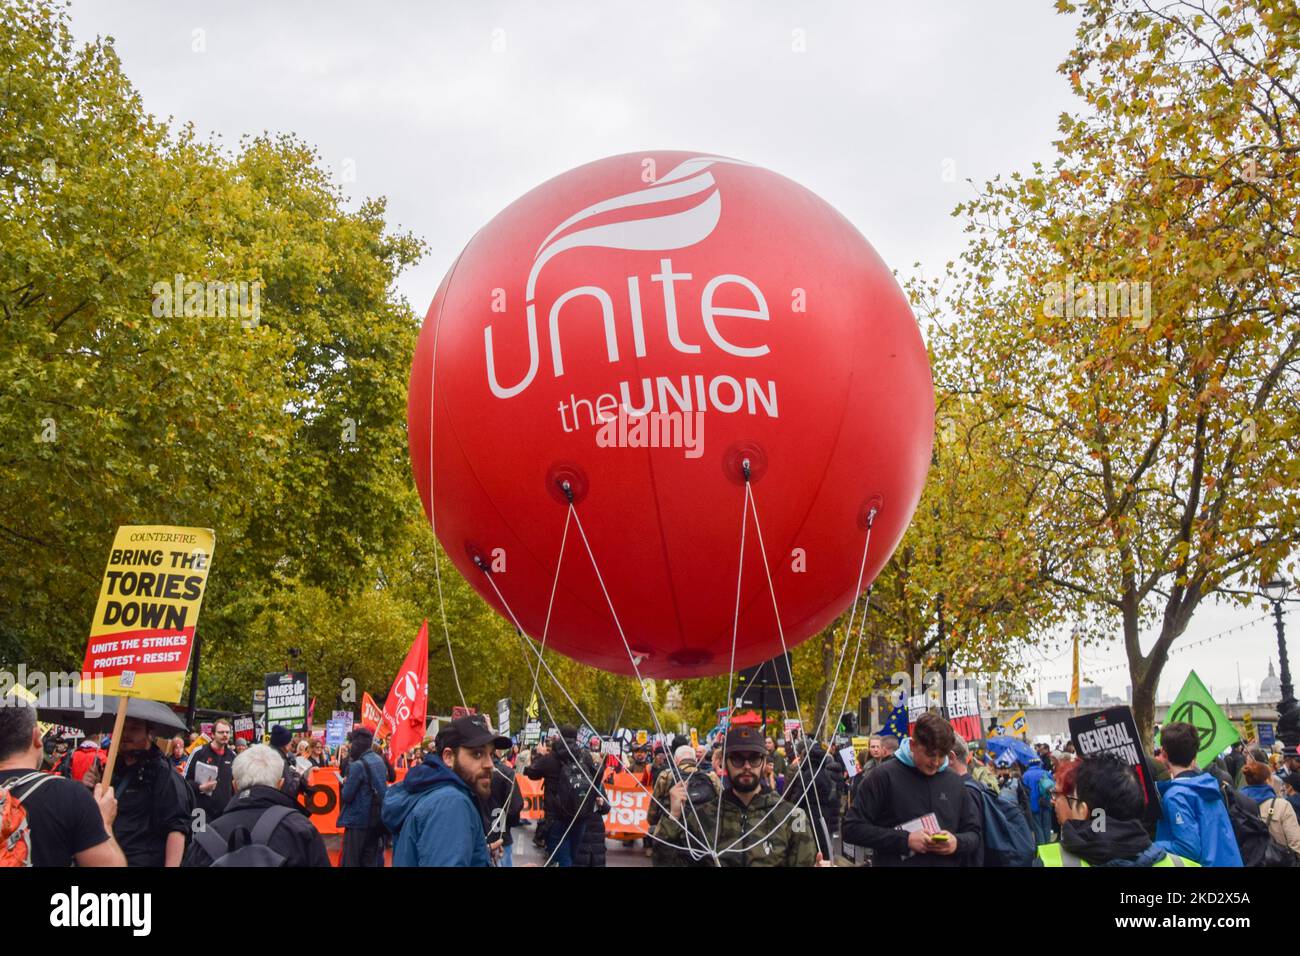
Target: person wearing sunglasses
<point>754,826</point>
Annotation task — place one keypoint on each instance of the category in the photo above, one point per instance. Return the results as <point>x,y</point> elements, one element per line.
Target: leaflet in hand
<point>928,824</point>
<point>203,772</point>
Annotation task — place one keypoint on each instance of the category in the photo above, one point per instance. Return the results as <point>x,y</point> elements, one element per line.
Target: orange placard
<point>629,802</point>
<point>531,791</point>
<point>321,798</point>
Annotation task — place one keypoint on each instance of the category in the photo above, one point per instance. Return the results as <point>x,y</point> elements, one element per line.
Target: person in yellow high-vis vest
<point>1098,802</point>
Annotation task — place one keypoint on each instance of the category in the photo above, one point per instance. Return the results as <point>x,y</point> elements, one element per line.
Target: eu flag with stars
<point>895,723</point>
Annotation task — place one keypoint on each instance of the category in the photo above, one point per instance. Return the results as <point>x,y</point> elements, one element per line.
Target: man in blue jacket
<point>437,811</point>
<point>1195,824</point>
<point>360,798</point>
<point>1040,810</point>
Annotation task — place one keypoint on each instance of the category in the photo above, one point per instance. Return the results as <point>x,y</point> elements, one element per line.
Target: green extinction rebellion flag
<point>1214,730</point>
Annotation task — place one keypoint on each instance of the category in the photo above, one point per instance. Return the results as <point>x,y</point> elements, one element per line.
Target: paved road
<point>616,853</point>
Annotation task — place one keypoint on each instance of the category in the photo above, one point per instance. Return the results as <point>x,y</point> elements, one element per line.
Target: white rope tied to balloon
<point>710,850</point>
<point>737,845</point>
<point>591,781</point>
<point>518,629</point>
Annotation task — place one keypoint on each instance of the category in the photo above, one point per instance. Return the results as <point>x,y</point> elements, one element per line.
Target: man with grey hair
<point>960,756</point>
<point>258,775</point>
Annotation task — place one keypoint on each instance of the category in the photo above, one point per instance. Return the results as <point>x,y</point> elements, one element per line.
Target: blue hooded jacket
<point>436,818</point>
<point>1032,779</point>
<point>1195,823</point>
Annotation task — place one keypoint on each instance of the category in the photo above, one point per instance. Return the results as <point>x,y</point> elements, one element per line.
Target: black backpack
<point>572,789</point>
<point>1258,848</point>
<point>375,821</point>
<point>243,848</point>
<point>1022,801</point>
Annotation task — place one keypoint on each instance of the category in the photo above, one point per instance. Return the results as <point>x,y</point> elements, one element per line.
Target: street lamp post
<point>1288,713</point>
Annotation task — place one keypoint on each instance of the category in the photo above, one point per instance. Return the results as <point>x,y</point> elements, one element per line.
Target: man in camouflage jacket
<point>760,828</point>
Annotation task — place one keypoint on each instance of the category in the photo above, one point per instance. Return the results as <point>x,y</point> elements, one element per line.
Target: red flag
<point>371,713</point>
<point>404,710</point>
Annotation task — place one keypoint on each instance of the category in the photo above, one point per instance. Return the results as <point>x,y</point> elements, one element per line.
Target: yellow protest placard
<point>143,630</point>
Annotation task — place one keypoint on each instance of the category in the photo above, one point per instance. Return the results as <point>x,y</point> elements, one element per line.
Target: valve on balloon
<point>868,512</point>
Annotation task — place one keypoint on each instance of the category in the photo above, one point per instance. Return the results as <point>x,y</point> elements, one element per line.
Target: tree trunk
<point>824,691</point>
<point>1144,711</point>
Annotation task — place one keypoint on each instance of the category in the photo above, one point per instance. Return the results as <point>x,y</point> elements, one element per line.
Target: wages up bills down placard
<point>143,630</point>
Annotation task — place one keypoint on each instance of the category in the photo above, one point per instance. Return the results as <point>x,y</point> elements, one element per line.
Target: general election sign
<point>964,713</point>
<point>143,630</point>
<point>244,727</point>
<point>1114,731</point>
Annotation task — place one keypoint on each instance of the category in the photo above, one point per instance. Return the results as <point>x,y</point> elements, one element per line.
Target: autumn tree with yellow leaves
<point>1128,320</point>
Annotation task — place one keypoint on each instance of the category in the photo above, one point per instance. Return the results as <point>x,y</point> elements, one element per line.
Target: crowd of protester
<point>745,799</point>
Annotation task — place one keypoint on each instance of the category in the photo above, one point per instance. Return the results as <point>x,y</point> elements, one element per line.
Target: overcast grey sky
<point>454,109</point>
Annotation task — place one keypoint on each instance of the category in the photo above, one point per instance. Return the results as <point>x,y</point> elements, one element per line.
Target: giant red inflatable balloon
<point>635,287</point>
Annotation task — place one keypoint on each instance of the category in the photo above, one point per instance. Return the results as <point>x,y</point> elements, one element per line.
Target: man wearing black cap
<point>756,827</point>
<point>437,812</point>
<point>1290,760</point>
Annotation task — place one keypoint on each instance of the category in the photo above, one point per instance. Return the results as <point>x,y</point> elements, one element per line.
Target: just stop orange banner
<point>629,802</point>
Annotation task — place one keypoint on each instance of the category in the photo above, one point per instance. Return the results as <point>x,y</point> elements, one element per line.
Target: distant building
<point>1270,688</point>
<point>1128,694</point>
<point>1090,695</point>
<point>1057,698</point>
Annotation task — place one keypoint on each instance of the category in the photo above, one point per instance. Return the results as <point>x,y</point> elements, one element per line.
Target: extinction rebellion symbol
<point>1199,716</point>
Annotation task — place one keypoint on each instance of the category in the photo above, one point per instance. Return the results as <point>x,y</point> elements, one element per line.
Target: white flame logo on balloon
<point>658,233</point>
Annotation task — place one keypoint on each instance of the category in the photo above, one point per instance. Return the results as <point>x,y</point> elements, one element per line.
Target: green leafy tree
<point>279,426</point>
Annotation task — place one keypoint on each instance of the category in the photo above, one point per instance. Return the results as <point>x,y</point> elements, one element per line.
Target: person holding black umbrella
<point>153,802</point>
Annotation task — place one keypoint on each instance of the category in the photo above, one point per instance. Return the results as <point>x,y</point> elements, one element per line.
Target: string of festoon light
<point>1111,668</point>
